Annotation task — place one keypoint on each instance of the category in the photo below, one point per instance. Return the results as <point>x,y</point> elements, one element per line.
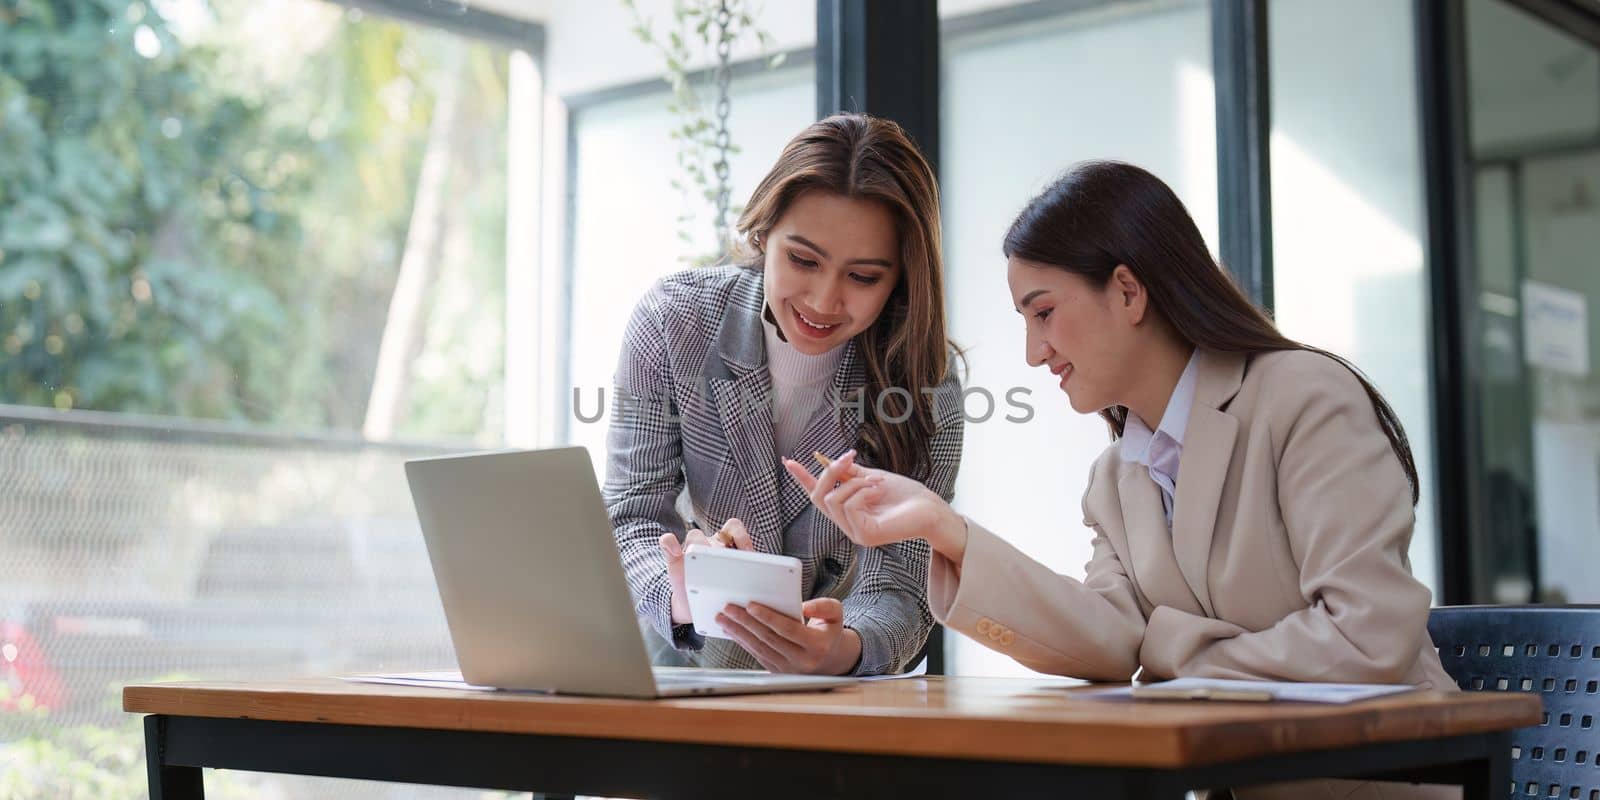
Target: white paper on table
<point>452,679</point>
<point>918,671</point>
<point>1288,692</point>
<point>448,679</point>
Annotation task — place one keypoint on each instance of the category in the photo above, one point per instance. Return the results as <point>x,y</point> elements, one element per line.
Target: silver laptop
<point>532,584</point>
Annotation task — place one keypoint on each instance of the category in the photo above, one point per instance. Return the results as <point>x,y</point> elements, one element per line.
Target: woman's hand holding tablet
<point>754,599</point>
<point>732,534</point>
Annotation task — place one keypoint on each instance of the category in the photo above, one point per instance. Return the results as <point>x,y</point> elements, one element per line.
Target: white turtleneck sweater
<point>800,386</point>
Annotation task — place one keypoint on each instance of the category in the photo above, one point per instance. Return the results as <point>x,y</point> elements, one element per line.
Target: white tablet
<point>718,576</point>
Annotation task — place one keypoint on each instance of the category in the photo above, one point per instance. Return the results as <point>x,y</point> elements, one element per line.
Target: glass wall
<point>631,225</point>
<point>1534,105</point>
<point>1018,111</point>
<point>250,255</point>
<point>1348,219</point>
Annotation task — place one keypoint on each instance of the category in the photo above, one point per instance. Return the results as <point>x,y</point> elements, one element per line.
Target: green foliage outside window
<point>210,224</point>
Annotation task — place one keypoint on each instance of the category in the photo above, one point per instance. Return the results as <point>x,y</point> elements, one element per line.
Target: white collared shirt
<point>1161,450</point>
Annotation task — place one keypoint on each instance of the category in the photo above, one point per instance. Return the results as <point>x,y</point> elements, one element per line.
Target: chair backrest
<point>1551,651</point>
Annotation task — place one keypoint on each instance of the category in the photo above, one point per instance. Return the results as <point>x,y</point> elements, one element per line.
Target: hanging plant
<point>700,127</point>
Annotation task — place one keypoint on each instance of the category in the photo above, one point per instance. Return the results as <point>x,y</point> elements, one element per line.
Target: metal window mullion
<point>1244,128</point>
<point>1452,286</point>
<point>881,57</point>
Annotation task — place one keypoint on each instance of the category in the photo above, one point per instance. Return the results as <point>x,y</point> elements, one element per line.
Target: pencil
<point>826,462</point>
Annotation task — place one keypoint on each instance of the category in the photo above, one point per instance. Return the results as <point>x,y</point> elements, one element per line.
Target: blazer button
<point>984,625</point>
<point>996,632</point>
<point>1008,638</point>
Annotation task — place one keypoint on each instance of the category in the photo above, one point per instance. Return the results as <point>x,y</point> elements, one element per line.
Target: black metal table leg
<point>1150,786</point>
<point>1489,777</point>
<point>168,782</point>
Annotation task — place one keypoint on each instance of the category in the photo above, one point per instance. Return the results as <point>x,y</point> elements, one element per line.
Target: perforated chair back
<point>1551,651</point>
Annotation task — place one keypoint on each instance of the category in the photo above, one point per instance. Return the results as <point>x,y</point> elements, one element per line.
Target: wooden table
<point>933,737</point>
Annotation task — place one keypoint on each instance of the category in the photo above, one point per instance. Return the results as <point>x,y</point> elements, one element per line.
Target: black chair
<point>1552,651</point>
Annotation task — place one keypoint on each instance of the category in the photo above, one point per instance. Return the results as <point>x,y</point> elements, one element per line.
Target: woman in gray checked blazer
<point>830,337</point>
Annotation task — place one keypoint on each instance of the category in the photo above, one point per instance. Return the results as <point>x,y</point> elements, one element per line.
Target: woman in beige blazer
<point>1252,514</point>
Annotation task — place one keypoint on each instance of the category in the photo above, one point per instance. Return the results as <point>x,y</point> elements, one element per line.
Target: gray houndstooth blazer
<point>693,410</point>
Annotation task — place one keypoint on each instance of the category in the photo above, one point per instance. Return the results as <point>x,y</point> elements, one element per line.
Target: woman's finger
<point>697,536</point>
<point>827,609</point>
<point>769,658</point>
<point>671,546</point>
<point>800,475</point>
<point>842,493</point>
<point>740,534</point>
<point>858,511</point>
<point>789,650</point>
<point>791,631</point>
<point>831,476</point>
<point>845,466</point>
<point>863,501</point>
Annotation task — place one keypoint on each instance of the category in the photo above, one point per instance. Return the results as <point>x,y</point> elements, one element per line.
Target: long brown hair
<point>1104,213</point>
<point>859,156</point>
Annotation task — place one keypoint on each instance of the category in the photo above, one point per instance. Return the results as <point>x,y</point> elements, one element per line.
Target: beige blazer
<point>1286,559</point>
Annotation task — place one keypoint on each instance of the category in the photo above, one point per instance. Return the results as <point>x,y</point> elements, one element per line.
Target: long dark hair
<point>859,156</point>
<point>1104,213</point>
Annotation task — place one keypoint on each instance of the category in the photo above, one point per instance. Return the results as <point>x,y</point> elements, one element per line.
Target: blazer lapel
<point>745,408</point>
<point>742,390</point>
<point>1203,469</point>
<point>1154,566</point>
<point>833,429</point>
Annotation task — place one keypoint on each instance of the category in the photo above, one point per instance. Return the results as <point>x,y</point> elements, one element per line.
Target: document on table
<point>919,671</point>
<point>448,679</point>
<point>1219,689</point>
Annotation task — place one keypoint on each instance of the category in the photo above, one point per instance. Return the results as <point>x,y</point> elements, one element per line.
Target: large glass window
<point>229,210</point>
<point>250,255</point>
<point>1347,209</point>
<point>1019,108</point>
<point>1534,103</point>
<point>632,222</point>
